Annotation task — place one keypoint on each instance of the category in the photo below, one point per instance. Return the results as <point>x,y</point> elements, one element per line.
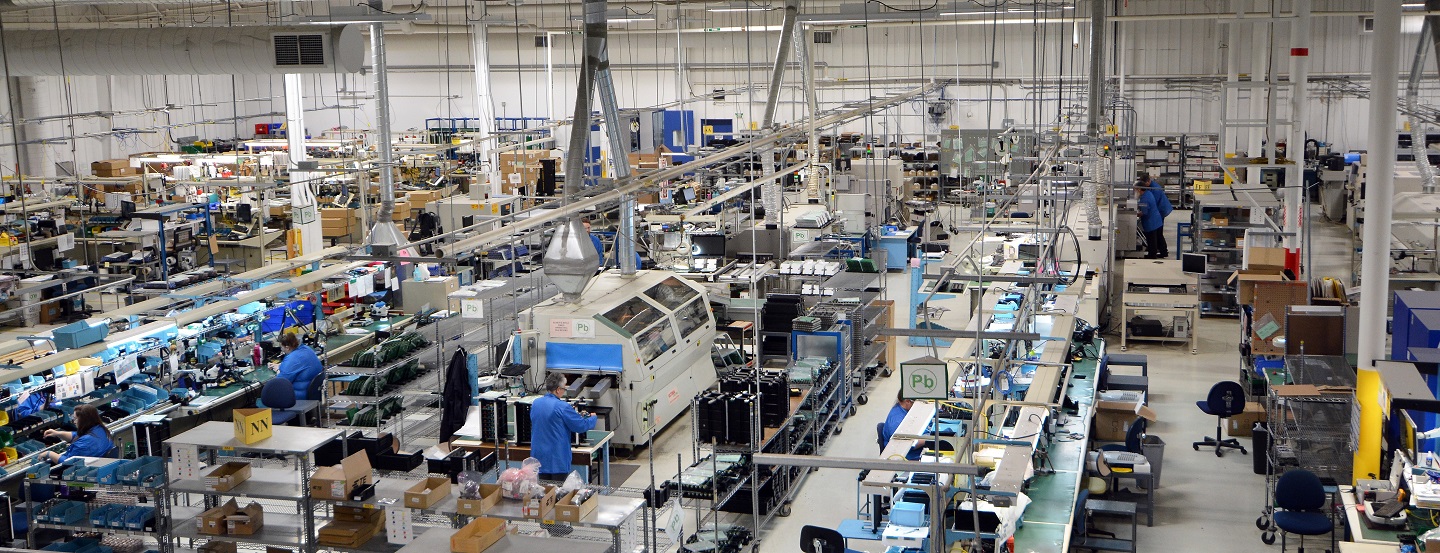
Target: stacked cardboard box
<point>352,527</point>
<point>113,168</point>
<point>338,222</point>
<point>1262,285</point>
<point>521,169</point>
<point>651,161</point>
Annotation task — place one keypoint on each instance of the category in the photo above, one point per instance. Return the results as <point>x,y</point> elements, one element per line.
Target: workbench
<point>1159,286</point>
<point>250,251</point>
<point>1360,530</point>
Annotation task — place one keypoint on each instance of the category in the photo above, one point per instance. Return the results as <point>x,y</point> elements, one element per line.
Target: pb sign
<point>924,378</point>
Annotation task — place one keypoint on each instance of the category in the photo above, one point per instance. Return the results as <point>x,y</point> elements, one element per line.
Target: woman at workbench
<point>90,438</point>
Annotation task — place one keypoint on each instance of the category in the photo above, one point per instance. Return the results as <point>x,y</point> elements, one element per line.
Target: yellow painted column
<point>1367,452</point>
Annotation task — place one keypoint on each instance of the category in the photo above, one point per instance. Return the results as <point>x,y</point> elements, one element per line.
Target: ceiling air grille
<point>299,50</point>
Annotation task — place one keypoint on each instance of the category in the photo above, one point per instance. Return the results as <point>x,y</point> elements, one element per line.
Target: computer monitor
<point>1193,263</point>
<point>707,245</point>
<point>687,195</point>
<point>242,212</point>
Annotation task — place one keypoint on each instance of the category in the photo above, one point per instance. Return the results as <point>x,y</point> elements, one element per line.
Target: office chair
<point>880,435</point>
<point>1301,498</point>
<point>814,539</point>
<point>1134,438</point>
<point>1226,400</point>
<point>278,394</point>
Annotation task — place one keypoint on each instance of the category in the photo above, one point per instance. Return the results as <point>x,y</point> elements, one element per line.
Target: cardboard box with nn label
<point>251,425</point>
<point>1115,410</point>
<point>1243,424</point>
<point>427,492</point>
<point>337,481</point>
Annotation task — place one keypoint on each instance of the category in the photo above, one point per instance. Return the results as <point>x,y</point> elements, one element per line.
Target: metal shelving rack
<point>1225,248</point>
<point>213,440</point>
<point>105,494</point>
<point>1318,433</point>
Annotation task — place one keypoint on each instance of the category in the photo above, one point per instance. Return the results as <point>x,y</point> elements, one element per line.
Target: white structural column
<point>302,196</point>
<point>1295,224</point>
<point>485,112</point>
<point>1259,97</point>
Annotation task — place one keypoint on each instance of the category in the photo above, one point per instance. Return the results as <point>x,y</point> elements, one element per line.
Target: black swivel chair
<point>1302,501</point>
<point>1226,400</point>
<point>880,435</point>
<point>814,539</point>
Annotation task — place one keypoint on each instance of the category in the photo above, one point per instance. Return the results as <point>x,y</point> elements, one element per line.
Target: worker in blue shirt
<point>600,248</point>
<point>300,365</point>
<point>90,438</point>
<point>896,416</point>
<point>1152,222</point>
<point>552,420</point>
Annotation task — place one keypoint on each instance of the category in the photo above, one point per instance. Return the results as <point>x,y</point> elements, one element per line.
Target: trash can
<point>1153,448</point>
<point>1260,448</point>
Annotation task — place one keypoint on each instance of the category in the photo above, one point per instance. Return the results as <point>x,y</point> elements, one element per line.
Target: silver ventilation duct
<point>571,259</point>
<point>306,49</point>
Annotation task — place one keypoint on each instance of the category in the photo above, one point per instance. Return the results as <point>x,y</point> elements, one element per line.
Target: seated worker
<point>551,422</point>
<point>299,366</point>
<point>90,439</point>
<point>611,260</point>
<point>892,423</point>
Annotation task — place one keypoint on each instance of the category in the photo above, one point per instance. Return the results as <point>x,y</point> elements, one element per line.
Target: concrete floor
<point>1202,499</point>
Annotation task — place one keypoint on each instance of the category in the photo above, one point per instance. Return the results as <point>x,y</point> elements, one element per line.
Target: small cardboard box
<point>1242,424</point>
<point>538,507</point>
<point>1265,258</point>
<point>212,522</point>
<point>568,511</point>
<point>427,492</point>
<point>336,482</point>
<point>358,514</point>
<point>251,425</point>
<point>1114,411</point>
<point>225,477</point>
<point>221,546</point>
<point>248,520</point>
<point>349,534</point>
<point>477,536</point>
<point>489,497</point>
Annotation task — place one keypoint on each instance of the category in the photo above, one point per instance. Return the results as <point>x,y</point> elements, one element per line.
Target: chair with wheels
<point>880,435</point>
<point>312,391</point>
<point>814,539</point>
<point>1301,499</point>
<point>278,394</point>
<point>1226,399</point>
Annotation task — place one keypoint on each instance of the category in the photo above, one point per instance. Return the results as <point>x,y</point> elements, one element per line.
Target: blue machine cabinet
<point>897,247</point>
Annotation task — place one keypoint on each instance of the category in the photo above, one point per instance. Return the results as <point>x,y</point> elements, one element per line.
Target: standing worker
<point>1166,208</point>
<point>90,438</point>
<point>1152,223</point>
<point>300,365</point>
<point>552,420</point>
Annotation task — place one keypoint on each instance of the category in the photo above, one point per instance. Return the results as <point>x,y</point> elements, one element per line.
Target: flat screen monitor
<point>1193,263</point>
<point>687,196</point>
<point>707,245</point>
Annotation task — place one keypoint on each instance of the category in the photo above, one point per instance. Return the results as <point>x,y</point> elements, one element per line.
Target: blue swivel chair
<point>278,394</point>
<point>880,435</point>
<point>1134,438</point>
<point>814,539</point>
<point>1302,501</point>
<point>1226,399</point>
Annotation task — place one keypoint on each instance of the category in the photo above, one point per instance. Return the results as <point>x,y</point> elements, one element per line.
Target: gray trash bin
<point>1153,448</point>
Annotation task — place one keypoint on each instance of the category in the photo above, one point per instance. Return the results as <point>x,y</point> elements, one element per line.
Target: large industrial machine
<point>638,345</point>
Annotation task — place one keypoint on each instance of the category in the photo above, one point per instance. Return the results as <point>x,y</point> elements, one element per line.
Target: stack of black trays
<point>773,390</point>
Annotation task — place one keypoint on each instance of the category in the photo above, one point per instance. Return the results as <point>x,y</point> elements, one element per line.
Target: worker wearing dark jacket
<point>552,420</point>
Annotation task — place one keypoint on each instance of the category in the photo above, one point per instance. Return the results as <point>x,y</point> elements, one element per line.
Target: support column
<point>485,112</point>
<point>1259,63</point>
<point>1295,225</point>
<point>302,195</point>
<point>1375,258</point>
<point>30,101</point>
<point>782,54</point>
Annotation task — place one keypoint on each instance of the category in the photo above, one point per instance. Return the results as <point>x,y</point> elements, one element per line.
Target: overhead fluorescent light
<point>740,7</point>
<point>620,16</point>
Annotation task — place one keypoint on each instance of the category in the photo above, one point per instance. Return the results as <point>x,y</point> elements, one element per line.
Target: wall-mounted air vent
<point>824,37</point>
<point>299,50</point>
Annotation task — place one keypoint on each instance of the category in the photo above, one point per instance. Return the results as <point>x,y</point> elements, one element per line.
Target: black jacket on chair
<point>456,395</point>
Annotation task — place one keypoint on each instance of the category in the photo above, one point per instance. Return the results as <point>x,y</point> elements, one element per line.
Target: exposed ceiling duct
<point>270,50</point>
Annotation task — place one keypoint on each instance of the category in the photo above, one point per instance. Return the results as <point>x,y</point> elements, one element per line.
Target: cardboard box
<point>212,522</point>
<point>219,546</point>
<point>1243,423</point>
<point>110,164</point>
<point>568,511</point>
<point>538,507</point>
<point>336,482</point>
<point>489,498</point>
<point>227,476</point>
<point>1265,258</point>
<point>1115,410</point>
<point>1244,282</point>
<point>251,425</point>
<point>402,212</point>
<point>349,534</point>
<point>477,536</point>
<point>358,514</point>
<point>427,492</point>
<point>248,520</point>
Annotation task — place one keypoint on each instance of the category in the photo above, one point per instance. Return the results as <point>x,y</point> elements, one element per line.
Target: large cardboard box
<point>349,534</point>
<point>111,168</point>
<point>1114,411</point>
<point>1244,282</point>
<point>477,536</point>
<point>225,477</point>
<point>568,511</point>
<point>358,514</point>
<point>489,497</point>
<point>212,522</point>
<point>427,492</point>
<point>538,507</point>
<point>1257,259</point>
<point>248,520</point>
<point>336,482</point>
<point>251,425</point>
<point>1243,423</point>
